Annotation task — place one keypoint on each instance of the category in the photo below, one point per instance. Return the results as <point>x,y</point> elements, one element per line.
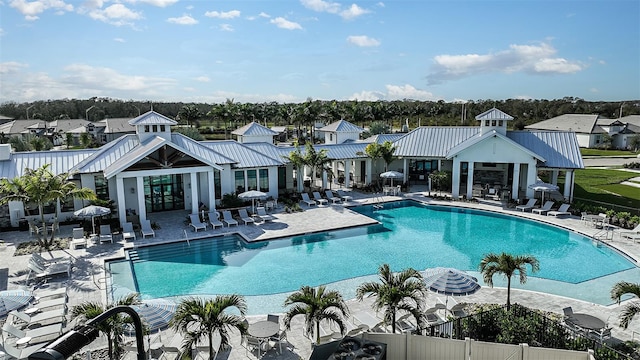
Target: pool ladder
<point>186,238</point>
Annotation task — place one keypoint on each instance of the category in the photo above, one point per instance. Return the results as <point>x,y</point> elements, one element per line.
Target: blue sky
<point>291,50</point>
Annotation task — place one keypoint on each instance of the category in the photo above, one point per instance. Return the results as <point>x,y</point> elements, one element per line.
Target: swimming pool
<point>410,235</point>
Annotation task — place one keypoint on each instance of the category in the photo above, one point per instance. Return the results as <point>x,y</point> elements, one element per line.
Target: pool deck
<point>88,274</point>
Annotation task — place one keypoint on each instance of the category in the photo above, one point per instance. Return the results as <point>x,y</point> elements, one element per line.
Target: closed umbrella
<point>92,211</point>
<point>392,175</point>
<point>155,314</point>
<point>13,299</point>
<point>252,195</point>
<point>543,187</point>
<point>450,282</point>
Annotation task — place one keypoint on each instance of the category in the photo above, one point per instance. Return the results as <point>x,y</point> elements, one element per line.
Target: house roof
<point>152,118</point>
<point>118,125</point>
<point>20,126</point>
<point>69,125</point>
<point>381,138</point>
<point>342,126</point>
<point>60,160</point>
<point>254,129</point>
<point>560,149</point>
<point>107,154</point>
<point>631,119</point>
<point>579,123</point>
<point>630,129</point>
<point>477,139</point>
<point>494,114</point>
<point>243,155</point>
<point>433,141</point>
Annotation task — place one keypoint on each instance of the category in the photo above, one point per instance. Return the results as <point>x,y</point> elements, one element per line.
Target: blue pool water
<point>410,235</point>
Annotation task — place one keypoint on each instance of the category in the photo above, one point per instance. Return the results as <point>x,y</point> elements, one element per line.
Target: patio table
<point>264,329</point>
<point>586,321</point>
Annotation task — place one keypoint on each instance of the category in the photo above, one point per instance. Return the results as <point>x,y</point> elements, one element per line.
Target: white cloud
<point>204,79</point>
<point>223,15</point>
<point>159,3</point>
<point>226,27</point>
<point>183,20</point>
<point>380,4</point>
<point>116,14</point>
<point>264,15</point>
<point>395,92</point>
<point>362,40</point>
<point>532,59</point>
<point>11,67</point>
<point>32,9</point>
<point>285,24</point>
<point>353,12</point>
<point>120,40</point>
<point>321,6</point>
<point>2,33</point>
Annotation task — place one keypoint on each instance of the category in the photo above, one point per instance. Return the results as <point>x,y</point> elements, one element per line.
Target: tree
<point>189,132</point>
<point>42,187</point>
<point>200,319</point>
<point>507,265</point>
<point>69,139</point>
<point>438,178</point>
<point>382,151</point>
<point>631,310</point>
<point>316,160</point>
<point>634,143</point>
<point>378,127</point>
<point>403,291</point>
<point>316,305</point>
<point>113,327</point>
<point>85,140</point>
<point>297,159</point>
<point>190,114</point>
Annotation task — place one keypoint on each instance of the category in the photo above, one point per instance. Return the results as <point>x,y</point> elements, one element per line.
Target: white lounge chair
<point>228,219</point>
<point>432,317</point>
<point>145,228</point>
<point>22,352</point>
<point>543,210</point>
<point>37,335</point>
<point>47,294</point>
<point>306,200</point>
<point>262,213</point>
<point>40,272</point>
<point>458,310</point>
<point>633,234</point>
<point>127,232</point>
<point>345,197</point>
<point>319,199</point>
<point>244,216</point>
<point>52,303</point>
<point>528,206</point>
<point>214,219</point>
<point>52,316</point>
<point>78,238</point>
<point>562,210</point>
<point>329,195</point>
<point>38,259</point>
<point>196,223</point>
<point>105,234</point>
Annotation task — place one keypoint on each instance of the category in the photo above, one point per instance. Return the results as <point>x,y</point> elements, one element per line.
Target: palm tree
<point>297,159</point>
<point>113,327</point>
<point>622,288</point>
<point>201,318</point>
<point>42,187</point>
<point>507,265</point>
<point>403,291</point>
<point>316,160</point>
<point>316,305</point>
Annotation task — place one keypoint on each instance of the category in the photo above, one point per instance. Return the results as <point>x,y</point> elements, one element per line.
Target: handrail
<point>103,279</point>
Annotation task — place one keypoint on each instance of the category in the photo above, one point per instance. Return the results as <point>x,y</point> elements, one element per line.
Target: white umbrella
<point>253,195</point>
<point>450,282</point>
<point>392,175</point>
<point>93,211</point>
<point>544,187</point>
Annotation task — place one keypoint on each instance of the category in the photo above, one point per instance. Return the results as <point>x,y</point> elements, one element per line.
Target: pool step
<point>225,244</point>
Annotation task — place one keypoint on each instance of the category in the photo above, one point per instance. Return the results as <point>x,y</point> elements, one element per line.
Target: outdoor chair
<point>43,272</point>
<point>318,198</point>
<point>244,216</point>
<point>528,206</point>
<point>145,228</point>
<point>345,197</point>
<point>127,232</point>
<point>330,196</point>
<point>562,210</point>
<point>105,234</point>
<point>24,320</point>
<point>280,338</point>
<point>228,219</point>
<point>543,210</point>
<point>307,200</point>
<point>253,343</point>
<point>38,259</point>
<point>214,219</point>
<point>633,234</point>
<point>196,223</point>
<point>273,318</point>
<point>262,213</point>
<point>37,335</point>
<point>568,312</point>
<point>78,238</point>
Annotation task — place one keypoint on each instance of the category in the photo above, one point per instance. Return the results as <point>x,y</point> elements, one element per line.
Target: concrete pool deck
<point>87,277</point>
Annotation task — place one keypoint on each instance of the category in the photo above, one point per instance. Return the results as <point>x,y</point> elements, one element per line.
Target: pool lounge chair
<point>543,210</point>
<point>562,210</point>
<point>262,213</point>
<point>78,238</point>
<point>244,216</point>
<point>319,199</point>
<point>196,223</point>
<point>145,228</point>
<point>105,234</point>
<point>38,259</point>
<point>528,206</point>
<point>127,232</point>
<point>306,200</point>
<point>214,219</point>
<point>37,335</point>
<point>344,196</point>
<point>43,272</point>
<point>52,316</point>
<point>432,317</point>
<point>228,219</point>
<point>329,195</point>
<point>633,234</point>
<point>48,294</point>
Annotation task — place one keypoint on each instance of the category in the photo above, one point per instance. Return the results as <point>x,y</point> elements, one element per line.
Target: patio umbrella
<point>252,195</point>
<point>12,300</point>
<point>544,187</point>
<point>392,175</point>
<point>92,211</point>
<point>155,314</point>
<point>450,282</point>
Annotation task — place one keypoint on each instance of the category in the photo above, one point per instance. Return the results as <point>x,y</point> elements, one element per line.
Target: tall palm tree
<point>316,305</point>
<point>403,291</point>
<point>297,159</point>
<point>622,288</point>
<point>42,187</point>
<point>113,327</point>
<point>507,265</point>
<point>316,160</point>
<point>200,319</point>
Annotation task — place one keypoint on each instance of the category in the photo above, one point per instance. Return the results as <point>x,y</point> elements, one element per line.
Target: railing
<point>101,281</point>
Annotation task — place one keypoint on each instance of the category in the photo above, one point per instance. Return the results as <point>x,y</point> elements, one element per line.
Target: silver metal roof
<point>60,160</point>
<point>580,123</point>
<point>107,154</point>
<point>200,149</point>
<point>20,126</point>
<point>433,141</point>
<point>352,150</point>
<point>270,150</point>
<point>381,138</point>
<point>152,118</point>
<point>245,156</point>
<point>342,126</point>
<point>118,125</point>
<point>494,114</point>
<point>253,129</point>
<point>479,138</point>
<point>560,149</point>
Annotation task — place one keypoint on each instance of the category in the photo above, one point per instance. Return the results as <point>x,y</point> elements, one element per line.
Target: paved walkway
<point>86,282</point>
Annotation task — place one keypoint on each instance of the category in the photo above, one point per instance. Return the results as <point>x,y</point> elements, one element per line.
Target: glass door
<point>163,193</point>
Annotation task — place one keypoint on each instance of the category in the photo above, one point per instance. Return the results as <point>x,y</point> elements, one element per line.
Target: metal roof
<point>381,138</point>
<point>342,126</point>
<point>245,157</point>
<point>433,141</point>
<point>494,114</point>
<point>20,126</point>
<point>580,123</point>
<point>107,154</point>
<point>560,149</point>
<point>200,149</point>
<point>253,129</point>
<point>352,150</point>
<point>152,118</point>
<point>270,150</point>
<point>477,139</point>
<point>118,125</point>
<point>60,160</point>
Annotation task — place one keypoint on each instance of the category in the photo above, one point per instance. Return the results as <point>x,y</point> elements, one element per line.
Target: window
<point>216,184</point>
<point>282,178</point>
<point>330,136</point>
<point>239,181</point>
<point>146,128</point>
<point>500,123</point>
<point>67,204</point>
<point>101,187</point>
<point>162,128</point>
<point>264,180</point>
<point>487,122</point>
<point>155,128</point>
<point>252,181</point>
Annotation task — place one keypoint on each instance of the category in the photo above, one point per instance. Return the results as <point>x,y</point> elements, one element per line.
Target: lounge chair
<point>145,228</point>
<point>562,210</point>
<point>543,210</point>
<point>432,317</point>
<point>306,200</point>
<point>262,213</point>
<point>319,199</point>
<point>568,312</point>
<point>55,316</point>
<point>52,303</point>
<point>330,196</point>
<point>127,232</point>
<point>633,234</point>
<point>105,234</point>
<point>78,238</point>
<point>40,272</point>
<point>244,216</point>
<point>196,223</point>
<point>38,259</point>
<point>22,352</point>
<point>228,219</point>
<point>458,310</point>
<point>37,335</point>
<point>403,324</point>
<point>345,197</point>
<point>48,294</point>
<point>214,219</point>
<point>528,206</point>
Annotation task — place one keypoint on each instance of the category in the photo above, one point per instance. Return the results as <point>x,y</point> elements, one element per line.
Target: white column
<point>532,174</point>
<point>405,170</point>
<point>212,190</point>
<point>324,179</point>
<point>470,180</point>
<point>194,192</point>
<point>369,170</point>
<point>515,184</point>
<point>122,207</point>
<point>554,177</point>
<point>347,170</point>
<point>568,185</point>
<point>142,209</point>
<point>455,178</point>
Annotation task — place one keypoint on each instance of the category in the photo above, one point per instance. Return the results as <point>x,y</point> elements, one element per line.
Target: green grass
<point>604,185</point>
<point>600,152</point>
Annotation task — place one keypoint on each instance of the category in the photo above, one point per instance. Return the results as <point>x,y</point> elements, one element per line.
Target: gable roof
<point>631,119</point>
<point>560,149</point>
<point>20,126</point>
<point>253,129</point>
<point>433,141</point>
<point>491,134</point>
<point>60,161</point>
<point>579,123</point>
<point>381,138</point>
<point>107,154</point>
<point>118,125</point>
<point>244,156</point>
<point>152,118</point>
<point>494,114</point>
<point>342,126</point>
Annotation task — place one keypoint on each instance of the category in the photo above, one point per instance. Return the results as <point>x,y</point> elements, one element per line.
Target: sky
<point>291,50</point>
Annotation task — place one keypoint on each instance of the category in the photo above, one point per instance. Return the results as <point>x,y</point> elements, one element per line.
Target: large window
<point>282,178</point>
<point>240,181</point>
<point>264,180</point>
<point>252,180</point>
<point>164,192</point>
<point>67,204</point>
<point>216,183</point>
<point>102,187</point>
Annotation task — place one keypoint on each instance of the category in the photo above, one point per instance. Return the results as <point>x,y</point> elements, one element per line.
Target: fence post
<point>467,347</point>
<point>525,351</point>
<point>591,354</point>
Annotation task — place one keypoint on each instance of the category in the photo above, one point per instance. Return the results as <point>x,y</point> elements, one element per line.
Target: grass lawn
<point>600,152</point>
<point>604,185</point>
